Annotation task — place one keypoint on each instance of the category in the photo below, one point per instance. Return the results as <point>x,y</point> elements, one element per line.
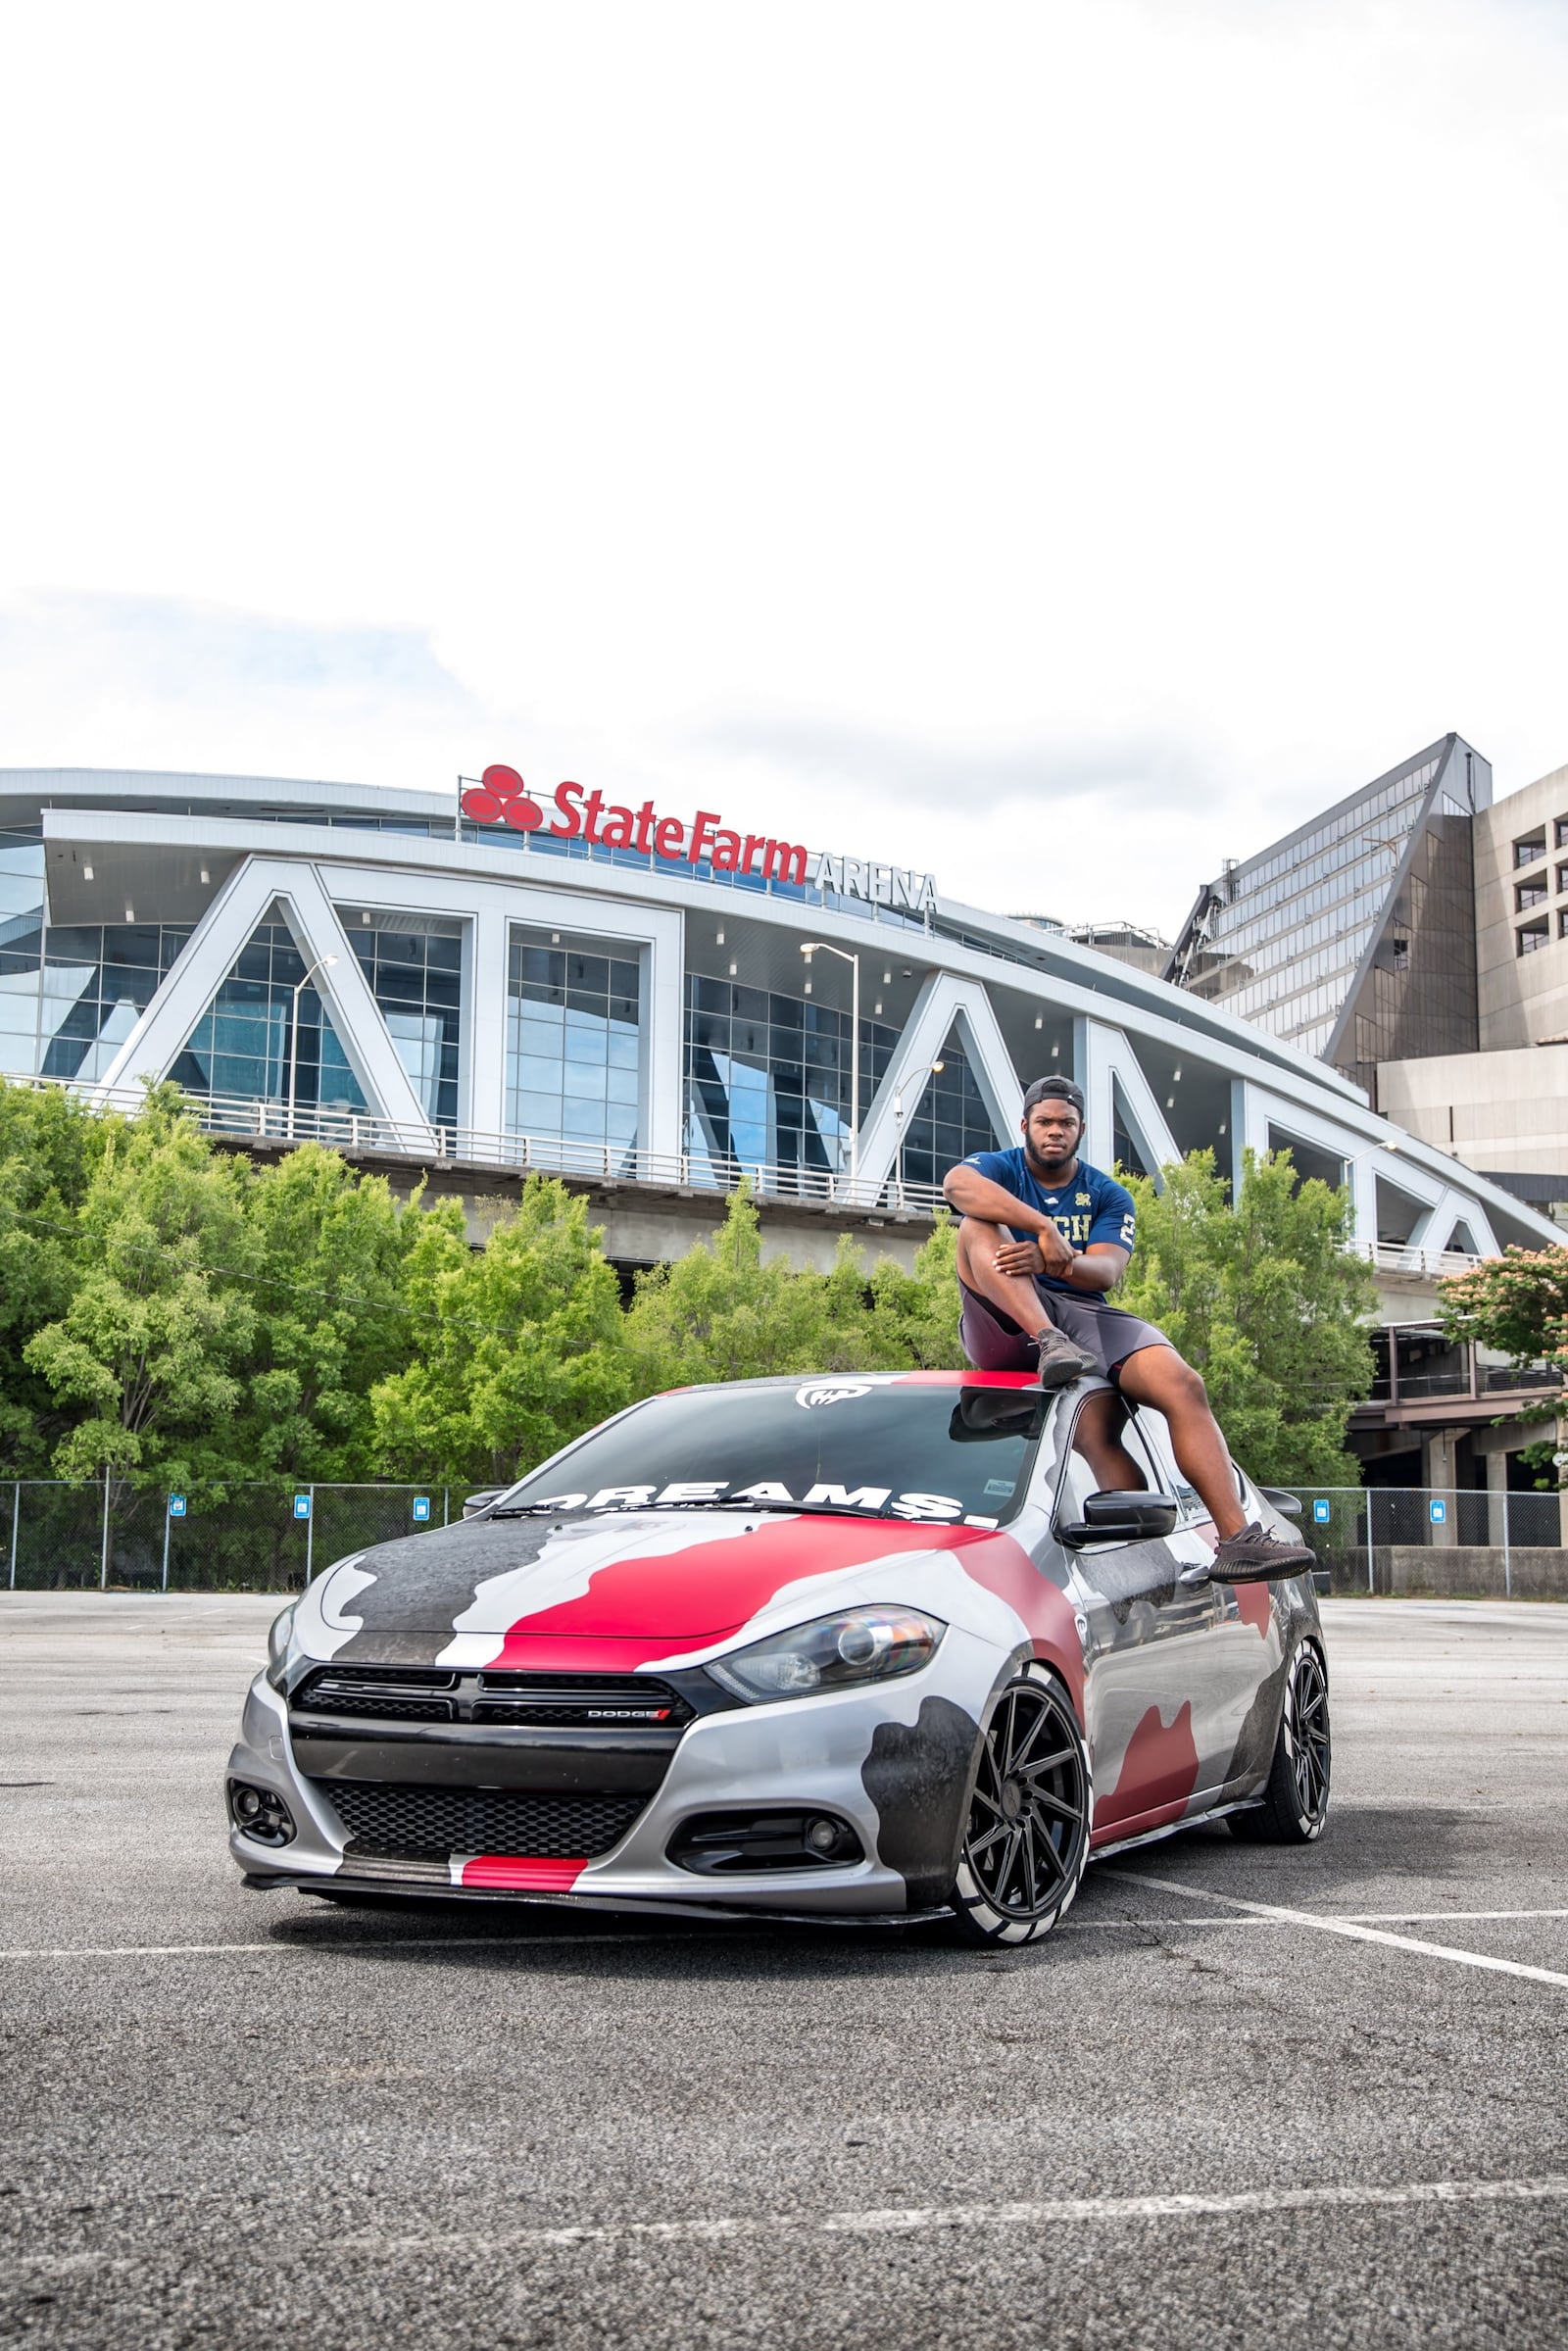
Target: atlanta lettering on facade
<point>500,797</point>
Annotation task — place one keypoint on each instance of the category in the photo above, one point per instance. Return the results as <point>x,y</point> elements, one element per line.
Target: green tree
<point>724,1313</point>
<point>151,1346</point>
<point>920,1309</point>
<point>1266,1300</point>
<point>49,1145</point>
<point>515,1349</point>
<point>331,1319</point>
<point>1518,1303</point>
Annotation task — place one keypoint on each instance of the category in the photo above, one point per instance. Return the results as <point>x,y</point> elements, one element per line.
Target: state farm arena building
<point>622,998</point>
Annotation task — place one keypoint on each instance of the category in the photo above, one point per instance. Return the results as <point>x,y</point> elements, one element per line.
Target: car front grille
<point>434,1823</point>
<point>547,1701</point>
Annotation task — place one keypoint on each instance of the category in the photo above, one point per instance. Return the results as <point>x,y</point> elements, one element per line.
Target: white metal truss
<point>944,1000</point>
<point>1107,1067</point>
<point>651,936</point>
<point>311,895</point>
<point>308,868</point>
<point>159,1037</point>
<point>1365,1159</point>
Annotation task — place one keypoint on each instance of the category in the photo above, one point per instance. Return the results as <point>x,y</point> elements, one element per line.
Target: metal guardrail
<point>252,1118</point>
<point>249,1118</point>
<point>1432,1264</point>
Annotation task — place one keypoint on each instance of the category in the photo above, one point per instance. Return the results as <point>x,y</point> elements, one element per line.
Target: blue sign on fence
<point>1320,1513</point>
<point>301,1506</point>
<point>177,1505</point>
<point>1439,1511</point>
<point>422,1508</point>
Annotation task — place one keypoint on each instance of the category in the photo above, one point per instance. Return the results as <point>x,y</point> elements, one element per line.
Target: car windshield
<point>873,1448</point>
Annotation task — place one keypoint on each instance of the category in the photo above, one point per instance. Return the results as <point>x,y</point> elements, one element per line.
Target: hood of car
<point>475,1595</point>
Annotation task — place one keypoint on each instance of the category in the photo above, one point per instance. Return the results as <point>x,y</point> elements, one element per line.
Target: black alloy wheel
<point>1027,1837</point>
<point>1296,1801</point>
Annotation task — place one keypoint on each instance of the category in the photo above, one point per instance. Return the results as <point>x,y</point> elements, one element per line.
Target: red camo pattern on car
<point>1178,1689</point>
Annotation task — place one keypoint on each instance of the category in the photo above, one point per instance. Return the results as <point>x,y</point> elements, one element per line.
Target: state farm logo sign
<point>500,797</point>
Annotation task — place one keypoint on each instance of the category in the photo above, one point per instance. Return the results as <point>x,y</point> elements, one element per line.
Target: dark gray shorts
<point>993,1341</point>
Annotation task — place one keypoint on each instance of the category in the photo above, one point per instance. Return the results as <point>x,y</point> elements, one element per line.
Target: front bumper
<point>804,1753</point>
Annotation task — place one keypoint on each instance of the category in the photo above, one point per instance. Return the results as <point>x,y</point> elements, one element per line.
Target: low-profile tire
<point>1296,1801</point>
<point>1026,1839</point>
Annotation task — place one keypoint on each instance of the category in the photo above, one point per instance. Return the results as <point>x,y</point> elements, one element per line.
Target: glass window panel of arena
<point>98,980</point>
<point>949,1121</point>
<point>241,1044</point>
<point>573,1037</point>
<point>768,1078</point>
<point>413,965</point>
<point>20,948</point>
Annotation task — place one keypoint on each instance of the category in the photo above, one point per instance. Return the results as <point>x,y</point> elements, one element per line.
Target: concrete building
<point>1504,1106</point>
<point>1124,942</point>
<point>646,1005</point>
<point>1416,937</point>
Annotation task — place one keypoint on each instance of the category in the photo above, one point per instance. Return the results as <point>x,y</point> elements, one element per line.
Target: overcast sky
<point>1059,446</point>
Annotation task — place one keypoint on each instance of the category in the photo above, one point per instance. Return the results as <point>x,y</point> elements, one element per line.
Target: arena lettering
<point>573,812</point>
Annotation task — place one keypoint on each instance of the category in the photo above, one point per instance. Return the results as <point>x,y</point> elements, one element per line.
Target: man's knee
<point>1168,1382</point>
<point>1187,1385</point>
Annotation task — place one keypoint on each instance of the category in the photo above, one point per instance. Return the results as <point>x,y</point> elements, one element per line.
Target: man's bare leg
<point>1158,1375</point>
<point>1014,1294</point>
<point>1098,1437</point>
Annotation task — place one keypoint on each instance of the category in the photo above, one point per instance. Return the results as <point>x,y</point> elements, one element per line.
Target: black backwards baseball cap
<point>1049,1089</point>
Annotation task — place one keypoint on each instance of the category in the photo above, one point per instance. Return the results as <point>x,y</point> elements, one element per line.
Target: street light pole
<point>321,964</point>
<point>846,955</point>
<point>933,1069</point>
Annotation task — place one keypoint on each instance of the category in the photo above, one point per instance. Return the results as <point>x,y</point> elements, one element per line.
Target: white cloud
<point>1061,445</point>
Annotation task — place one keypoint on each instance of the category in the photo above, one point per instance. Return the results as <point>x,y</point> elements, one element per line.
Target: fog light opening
<point>260,1813</point>
<point>746,1844</point>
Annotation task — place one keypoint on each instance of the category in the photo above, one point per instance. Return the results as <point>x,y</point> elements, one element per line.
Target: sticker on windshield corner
<point>830,1391</point>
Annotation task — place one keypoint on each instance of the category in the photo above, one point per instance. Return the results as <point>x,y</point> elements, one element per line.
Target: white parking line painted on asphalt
<point>1346,1926</point>
<point>895,2220</point>
<point>293,1950</point>
<point>1256,1914</point>
<point>1285,1918</point>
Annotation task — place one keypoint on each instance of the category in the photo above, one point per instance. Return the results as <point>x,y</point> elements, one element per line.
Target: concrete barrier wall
<point>1472,1570</point>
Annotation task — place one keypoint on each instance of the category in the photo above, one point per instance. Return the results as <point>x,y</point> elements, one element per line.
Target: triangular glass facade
<point>242,1042</point>
<point>1354,938</point>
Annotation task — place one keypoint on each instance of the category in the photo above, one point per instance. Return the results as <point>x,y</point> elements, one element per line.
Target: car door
<point>1240,1645</point>
<point>1144,1636</point>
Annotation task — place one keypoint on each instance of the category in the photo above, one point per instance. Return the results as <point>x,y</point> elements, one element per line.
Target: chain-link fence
<point>254,1537</point>
<point>1443,1540</point>
<point>257,1538</point>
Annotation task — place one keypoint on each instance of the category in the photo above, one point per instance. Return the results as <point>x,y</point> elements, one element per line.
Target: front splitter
<point>623,1905</point>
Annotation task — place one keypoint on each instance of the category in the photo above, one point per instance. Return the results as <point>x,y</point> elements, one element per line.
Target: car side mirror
<point>1289,1506</point>
<point>474,1503</point>
<point>1121,1518</point>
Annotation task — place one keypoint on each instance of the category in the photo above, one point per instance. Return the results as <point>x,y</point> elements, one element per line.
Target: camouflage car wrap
<point>555,1668</point>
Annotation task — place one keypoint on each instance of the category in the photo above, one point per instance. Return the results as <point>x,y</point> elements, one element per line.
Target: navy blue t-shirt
<point>1092,1208</point>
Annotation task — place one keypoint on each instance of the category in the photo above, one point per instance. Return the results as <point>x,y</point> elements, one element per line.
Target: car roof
<point>871,1379</point>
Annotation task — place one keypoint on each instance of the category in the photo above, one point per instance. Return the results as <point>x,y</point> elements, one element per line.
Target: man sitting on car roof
<point>1044,1238</point>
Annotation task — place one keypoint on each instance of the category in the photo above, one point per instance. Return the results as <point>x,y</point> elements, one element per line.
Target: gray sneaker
<point>1256,1556</point>
<point>1059,1357</point>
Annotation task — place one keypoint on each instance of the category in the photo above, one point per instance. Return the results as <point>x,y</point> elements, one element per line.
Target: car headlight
<point>835,1652</point>
<point>278,1642</point>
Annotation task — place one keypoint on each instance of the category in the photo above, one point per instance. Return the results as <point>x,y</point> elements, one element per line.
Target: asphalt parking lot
<point>1245,2095</point>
